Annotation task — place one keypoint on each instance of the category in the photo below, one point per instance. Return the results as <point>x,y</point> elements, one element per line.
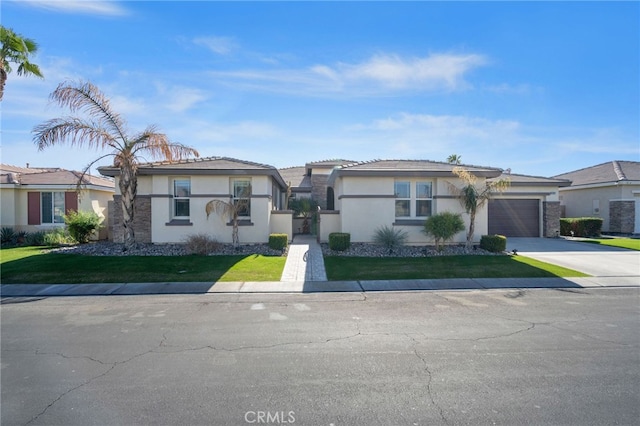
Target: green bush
<point>581,226</point>
<point>35,238</point>
<point>493,243</point>
<point>390,238</point>
<point>339,241</point>
<point>58,237</point>
<point>278,241</point>
<point>82,225</point>
<point>443,227</point>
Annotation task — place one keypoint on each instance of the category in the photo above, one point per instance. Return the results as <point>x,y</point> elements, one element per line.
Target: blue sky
<point>539,87</point>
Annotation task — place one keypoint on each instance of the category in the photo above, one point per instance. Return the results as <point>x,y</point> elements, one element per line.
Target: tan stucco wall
<point>362,216</point>
<point>203,190</point>
<point>281,223</point>
<point>15,206</point>
<point>579,202</point>
<point>8,216</point>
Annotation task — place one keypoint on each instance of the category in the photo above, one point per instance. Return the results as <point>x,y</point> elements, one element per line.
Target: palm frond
<point>158,146</point>
<point>74,131</point>
<point>85,97</point>
<point>222,208</point>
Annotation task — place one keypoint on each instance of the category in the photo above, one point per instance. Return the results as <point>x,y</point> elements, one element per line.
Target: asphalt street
<point>542,356</point>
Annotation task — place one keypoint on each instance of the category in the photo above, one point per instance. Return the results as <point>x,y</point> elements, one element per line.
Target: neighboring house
<point>404,193</point>
<point>171,200</point>
<point>35,199</point>
<point>610,191</point>
<point>354,197</point>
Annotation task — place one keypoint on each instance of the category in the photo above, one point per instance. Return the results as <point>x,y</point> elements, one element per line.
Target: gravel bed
<point>373,250</point>
<point>103,248</point>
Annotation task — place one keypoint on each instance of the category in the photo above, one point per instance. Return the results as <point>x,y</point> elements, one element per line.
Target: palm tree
<point>454,159</point>
<point>231,209</point>
<point>104,129</point>
<point>473,197</point>
<point>16,49</point>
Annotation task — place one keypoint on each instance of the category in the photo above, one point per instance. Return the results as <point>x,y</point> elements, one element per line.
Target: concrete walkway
<point>304,261</point>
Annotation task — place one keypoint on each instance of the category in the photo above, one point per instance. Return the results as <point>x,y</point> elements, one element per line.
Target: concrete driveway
<point>592,259</point>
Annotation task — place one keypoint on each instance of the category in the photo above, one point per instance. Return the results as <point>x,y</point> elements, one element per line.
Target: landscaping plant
<point>443,227</point>
<point>81,225</point>
<point>390,238</point>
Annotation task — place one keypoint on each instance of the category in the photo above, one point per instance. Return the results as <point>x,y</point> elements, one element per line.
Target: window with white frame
<point>414,199</point>
<point>181,198</point>
<point>403,198</point>
<point>52,207</point>
<point>424,199</point>
<point>241,193</point>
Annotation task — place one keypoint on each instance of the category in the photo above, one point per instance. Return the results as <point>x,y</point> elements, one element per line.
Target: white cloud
<point>90,7</point>
<point>219,45</point>
<point>379,75</point>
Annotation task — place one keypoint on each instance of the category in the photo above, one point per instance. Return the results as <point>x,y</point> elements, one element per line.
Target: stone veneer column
<point>141,220</point>
<point>622,214</point>
<point>550,218</point>
<point>319,190</point>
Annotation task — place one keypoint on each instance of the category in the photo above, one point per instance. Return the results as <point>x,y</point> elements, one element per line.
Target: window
<point>416,204</point>
<point>403,199</point>
<point>242,194</point>
<point>181,200</point>
<point>52,207</point>
<point>423,199</point>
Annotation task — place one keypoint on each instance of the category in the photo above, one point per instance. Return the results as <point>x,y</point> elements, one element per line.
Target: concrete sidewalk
<point>100,289</point>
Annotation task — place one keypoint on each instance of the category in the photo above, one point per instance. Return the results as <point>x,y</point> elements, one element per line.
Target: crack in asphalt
<point>111,365</point>
<point>430,391</point>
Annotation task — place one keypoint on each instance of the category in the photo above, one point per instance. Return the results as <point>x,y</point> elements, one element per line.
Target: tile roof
<point>528,180</point>
<point>297,176</point>
<point>205,163</point>
<point>50,176</point>
<point>609,172</point>
<point>413,165</point>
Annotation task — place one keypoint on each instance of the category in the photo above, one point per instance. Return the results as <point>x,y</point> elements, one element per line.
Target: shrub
<point>35,238</point>
<point>493,243</point>
<point>339,241</point>
<point>58,237</point>
<point>443,227</point>
<point>581,226</point>
<point>278,241</point>
<point>203,244</point>
<point>390,238</point>
<point>82,225</point>
<point>8,236</point>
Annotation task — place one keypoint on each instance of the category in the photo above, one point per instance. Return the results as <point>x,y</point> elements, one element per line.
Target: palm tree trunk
<point>128,188</point>
<point>472,228</point>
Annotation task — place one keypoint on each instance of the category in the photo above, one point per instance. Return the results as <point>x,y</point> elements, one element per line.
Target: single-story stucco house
<point>35,199</point>
<point>609,190</point>
<point>354,197</point>
<point>172,196</point>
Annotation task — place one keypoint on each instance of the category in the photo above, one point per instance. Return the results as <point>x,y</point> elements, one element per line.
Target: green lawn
<point>627,243</point>
<point>30,265</point>
<point>390,268</point>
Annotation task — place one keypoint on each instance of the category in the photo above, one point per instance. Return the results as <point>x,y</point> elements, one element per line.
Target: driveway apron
<point>592,259</point>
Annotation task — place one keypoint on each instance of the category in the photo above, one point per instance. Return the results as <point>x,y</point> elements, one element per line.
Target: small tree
<point>82,224</point>
<point>443,227</point>
<point>473,197</point>
<point>232,209</point>
<point>304,207</point>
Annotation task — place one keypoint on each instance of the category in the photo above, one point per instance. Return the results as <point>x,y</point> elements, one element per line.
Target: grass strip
<point>391,268</point>
<point>30,265</point>
<point>626,243</point>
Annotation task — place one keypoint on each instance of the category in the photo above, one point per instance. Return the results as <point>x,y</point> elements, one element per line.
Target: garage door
<point>514,218</point>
